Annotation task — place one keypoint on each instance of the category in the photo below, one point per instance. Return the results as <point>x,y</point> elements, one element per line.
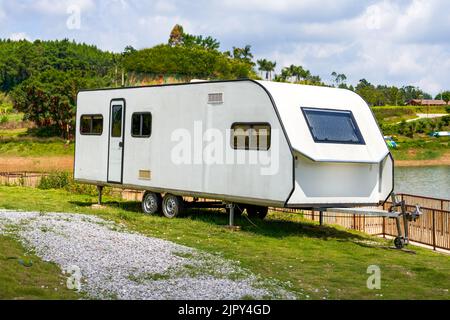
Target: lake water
<point>424,181</point>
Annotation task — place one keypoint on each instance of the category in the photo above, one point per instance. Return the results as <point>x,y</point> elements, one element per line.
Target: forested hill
<point>187,61</point>
<point>21,60</point>
<point>24,60</point>
<point>42,78</point>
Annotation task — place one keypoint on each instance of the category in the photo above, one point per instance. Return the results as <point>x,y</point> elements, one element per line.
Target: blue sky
<point>387,42</point>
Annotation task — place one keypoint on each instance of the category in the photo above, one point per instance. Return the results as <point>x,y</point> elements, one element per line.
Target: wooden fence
<point>432,228</point>
<point>23,179</point>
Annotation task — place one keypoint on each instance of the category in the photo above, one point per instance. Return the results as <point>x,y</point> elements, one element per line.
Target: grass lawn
<point>13,117</point>
<point>396,114</point>
<point>12,133</point>
<point>421,148</point>
<point>25,276</point>
<point>319,262</point>
<point>35,147</point>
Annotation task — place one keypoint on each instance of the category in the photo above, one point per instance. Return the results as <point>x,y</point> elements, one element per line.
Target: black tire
<point>399,243</point>
<point>151,202</point>
<point>172,206</point>
<point>257,212</point>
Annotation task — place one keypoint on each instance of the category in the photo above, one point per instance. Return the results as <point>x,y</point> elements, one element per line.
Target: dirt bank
<point>442,161</point>
<point>65,163</point>
<point>36,164</point>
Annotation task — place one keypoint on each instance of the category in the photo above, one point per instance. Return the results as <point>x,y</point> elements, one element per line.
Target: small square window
<point>251,136</point>
<point>141,125</point>
<point>91,125</point>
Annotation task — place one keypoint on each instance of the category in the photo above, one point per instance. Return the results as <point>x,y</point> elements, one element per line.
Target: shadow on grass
<point>126,206</point>
<point>274,226</point>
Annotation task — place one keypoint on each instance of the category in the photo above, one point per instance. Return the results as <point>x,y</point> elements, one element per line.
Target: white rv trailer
<point>320,147</point>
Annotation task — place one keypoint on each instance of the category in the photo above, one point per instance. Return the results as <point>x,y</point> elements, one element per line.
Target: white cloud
<point>165,6</point>
<point>19,36</point>
<point>59,7</point>
<point>387,42</point>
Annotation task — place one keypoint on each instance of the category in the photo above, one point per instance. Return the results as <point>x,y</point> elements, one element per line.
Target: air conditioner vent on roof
<point>215,98</point>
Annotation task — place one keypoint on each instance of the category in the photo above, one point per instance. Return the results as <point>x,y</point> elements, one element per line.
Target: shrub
<point>45,132</point>
<point>64,180</point>
<point>56,180</point>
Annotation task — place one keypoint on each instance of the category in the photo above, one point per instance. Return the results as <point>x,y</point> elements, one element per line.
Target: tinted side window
<point>116,125</point>
<point>91,125</point>
<point>333,126</point>
<point>97,125</point>
<point>141,125</point>
<point>251,136</point>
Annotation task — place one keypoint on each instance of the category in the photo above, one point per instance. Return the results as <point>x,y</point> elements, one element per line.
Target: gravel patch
<point>116,263</point>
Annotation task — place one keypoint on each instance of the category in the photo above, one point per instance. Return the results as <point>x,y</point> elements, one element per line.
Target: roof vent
<point>215,98</point>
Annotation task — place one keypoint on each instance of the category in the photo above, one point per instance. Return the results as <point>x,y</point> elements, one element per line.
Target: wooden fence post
<point>434,230</point>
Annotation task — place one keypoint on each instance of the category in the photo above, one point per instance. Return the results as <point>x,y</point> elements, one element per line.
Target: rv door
<point>116,141</point>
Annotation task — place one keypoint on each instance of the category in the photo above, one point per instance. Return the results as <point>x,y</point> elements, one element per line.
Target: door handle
<point>120,144</point>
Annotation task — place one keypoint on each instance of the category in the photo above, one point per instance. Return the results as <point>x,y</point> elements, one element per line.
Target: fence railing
<point>24,179</point>
<point>432,228</point>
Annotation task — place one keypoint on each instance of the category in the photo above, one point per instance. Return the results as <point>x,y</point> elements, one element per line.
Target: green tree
<point>48,99</point>
<point>445,95</point>
<point>244,54</point>
<point>262,66</point>
<point>191,62</point>
<point>266,66</point>
<point>339,78</point>
<point>176,35</point>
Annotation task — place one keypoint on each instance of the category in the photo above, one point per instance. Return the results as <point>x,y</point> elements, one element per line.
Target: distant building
<point>424,102</point>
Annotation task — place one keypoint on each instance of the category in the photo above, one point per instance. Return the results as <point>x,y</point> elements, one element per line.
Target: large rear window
<point>333,126</point>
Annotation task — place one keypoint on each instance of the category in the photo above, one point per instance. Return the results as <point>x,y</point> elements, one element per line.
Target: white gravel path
<point>118,264</point>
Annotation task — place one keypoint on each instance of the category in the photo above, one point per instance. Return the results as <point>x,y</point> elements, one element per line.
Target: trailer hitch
<point>403,237</point>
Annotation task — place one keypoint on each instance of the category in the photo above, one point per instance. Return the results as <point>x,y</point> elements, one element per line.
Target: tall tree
<point>271,65</point>
<point>445,95</point>
<point>339,78</point>
<point>176,35</point>
<point>262,66</point>
<point>244,54</point>
<point>266,66</point>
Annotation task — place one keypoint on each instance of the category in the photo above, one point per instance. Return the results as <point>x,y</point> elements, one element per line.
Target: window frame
<point>141,114</point>
<point>91,117</point>
<point>122,121</point>
<point>359,135</point>
<point>251,125</point>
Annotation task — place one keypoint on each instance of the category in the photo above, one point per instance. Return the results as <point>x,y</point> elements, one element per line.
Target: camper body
<point>304,146</point>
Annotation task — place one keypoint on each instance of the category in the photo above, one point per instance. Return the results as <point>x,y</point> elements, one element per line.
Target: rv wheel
<point>399,243</point>
<point>257,212</point>
<point>151,202</point>
<point>172,205</point>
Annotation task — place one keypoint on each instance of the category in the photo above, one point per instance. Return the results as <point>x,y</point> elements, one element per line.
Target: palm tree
<point>298,72</point>
<point>246,53</point>
<point>271,68</point>
<point>262,66</point>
